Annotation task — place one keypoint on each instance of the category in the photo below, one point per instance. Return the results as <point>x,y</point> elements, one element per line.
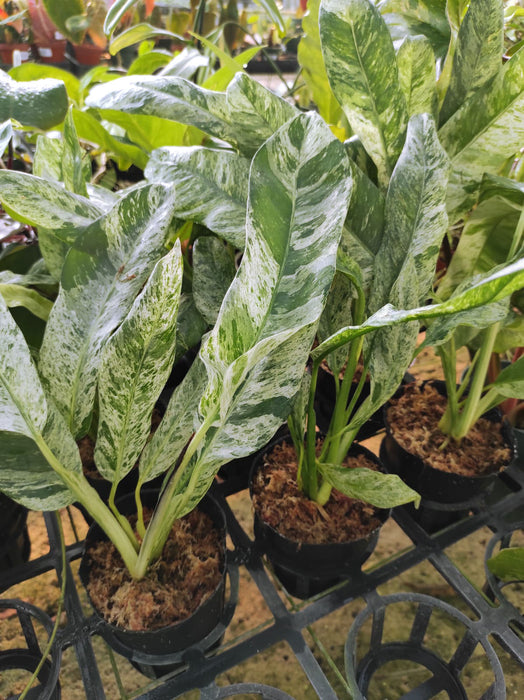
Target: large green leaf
<point>245,115</point>
<point>46,203</point>
<point>256,353</point>
<point>381,490</point>
<point>484,242</point>
<point>415,216</point>
<point>146,131</point>
<point>478,53</point>
<point>37,71</point>
<point>210,187</point>
<point>102,274</point>
<point>90,129</point>
<point>364,226</point>
<point>498,285</point>
<point>42,103</point>
<point>417,74</point>
<point>313,70</point>
<point>213,272</point>
<point>26,416</point>
<point>362,68</point>
<point>134,367</point>
<point>483,133</point>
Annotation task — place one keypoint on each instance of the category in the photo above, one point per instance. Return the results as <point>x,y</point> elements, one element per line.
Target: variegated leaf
<point>255,110</point>
<point>441,330</point>
<point>362,68</point>
<point>415,224</point>
<point>27,421</point>
<point>134,367</point>
<point>245,115</point>
<point>381,490</point>
<point>210,187</point>
<point>483,133</point>
<point>510,381</point>
<point>256,353</point>
<point>337,314</point>
<point>41,103</point>
<point>213,272</point>
<point>478,53</point>
<point>102,274</point>
<point>499,284</point>
<point>178,424</point>
<point>18,295</point>
<point>313,70</point>
<point>6,134</point>
<point>364,226</point>
<point>45,203</point>
<point>485,242</point>
<point>417,74</point>
<point>22,400</point>
<point>415,215</point>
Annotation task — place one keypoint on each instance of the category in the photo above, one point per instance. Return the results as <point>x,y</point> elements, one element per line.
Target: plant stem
<point>124,522</point>
<point>448,357</point>
<point>470,414</point>
<point>89,498</point>
<point>309,471</point>
<point>162,521</point>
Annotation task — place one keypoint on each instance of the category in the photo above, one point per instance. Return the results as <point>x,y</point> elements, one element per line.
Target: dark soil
<point>188,572</point>
<point>413,420</point>
<point>279,502</point>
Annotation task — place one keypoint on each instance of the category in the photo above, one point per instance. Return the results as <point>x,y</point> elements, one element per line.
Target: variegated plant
<point>112,334</point>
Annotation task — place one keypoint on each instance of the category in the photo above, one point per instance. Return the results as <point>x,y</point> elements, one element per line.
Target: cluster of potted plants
<point>277,249</point>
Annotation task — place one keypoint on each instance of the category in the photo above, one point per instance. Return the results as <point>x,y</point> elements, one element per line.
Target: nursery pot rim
<point>381,513</point>
<point>480,481</point>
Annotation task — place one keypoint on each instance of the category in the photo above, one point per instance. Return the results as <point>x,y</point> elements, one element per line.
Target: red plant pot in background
<point>6,53</point>
<point>89,54</point>
<point>52,51</point>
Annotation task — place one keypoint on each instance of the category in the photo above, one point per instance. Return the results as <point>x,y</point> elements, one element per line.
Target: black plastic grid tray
<point>501,511</point>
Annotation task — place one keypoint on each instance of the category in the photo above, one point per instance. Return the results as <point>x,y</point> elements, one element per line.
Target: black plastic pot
<point>446,497</point>
<point>158,651</point>
<point>15,546</point>
<point>308,569</point>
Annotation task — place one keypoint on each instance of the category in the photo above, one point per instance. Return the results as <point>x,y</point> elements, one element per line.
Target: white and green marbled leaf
<point>210,187</point>
<point>245,115</point>
<point>213,272</point>
<point>362,68</point>
<point>483,133</point>
<point>46,203</point>
<point>102,274</point>
<point>478,53</point>
<point>134,367</point>
<point>256,353</point>
<point>25,416</point>
<point>417,75</point>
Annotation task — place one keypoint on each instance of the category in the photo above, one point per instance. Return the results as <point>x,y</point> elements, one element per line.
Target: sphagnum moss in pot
<point>450,441</point>
<point>111,338</point>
